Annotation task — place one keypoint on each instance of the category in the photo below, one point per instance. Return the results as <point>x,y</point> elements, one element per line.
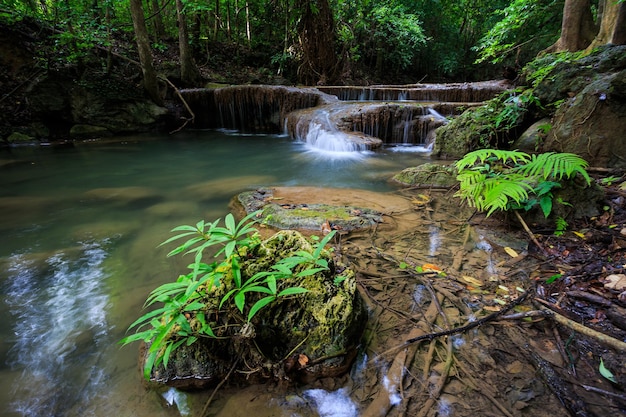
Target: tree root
<point>438,388</point>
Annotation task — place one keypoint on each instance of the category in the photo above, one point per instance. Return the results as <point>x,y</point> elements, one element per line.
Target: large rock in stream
<point>591,121</point>
<point>296,338</point>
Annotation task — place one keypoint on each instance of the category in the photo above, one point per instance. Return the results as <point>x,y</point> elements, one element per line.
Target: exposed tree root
<point>435,392</point>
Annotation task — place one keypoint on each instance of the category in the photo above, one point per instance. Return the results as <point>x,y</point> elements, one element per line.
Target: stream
<point>78,255</point>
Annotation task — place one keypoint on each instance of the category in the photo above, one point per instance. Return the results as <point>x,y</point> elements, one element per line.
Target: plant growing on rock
<point>498,180</point>
<point>190,304</point>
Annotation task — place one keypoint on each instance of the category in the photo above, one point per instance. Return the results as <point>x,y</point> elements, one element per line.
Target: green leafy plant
<point>492,179</point>
<point>191,302</point>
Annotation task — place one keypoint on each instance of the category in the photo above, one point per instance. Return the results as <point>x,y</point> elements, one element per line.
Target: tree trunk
<point>316,31</point>
<point>577,28</point>
<point>619,32</point>
<point>150,81</point>
<point>159,29</point>
<point>189,74</point>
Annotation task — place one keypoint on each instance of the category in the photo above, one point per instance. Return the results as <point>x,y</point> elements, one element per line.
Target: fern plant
<point>493,179</point>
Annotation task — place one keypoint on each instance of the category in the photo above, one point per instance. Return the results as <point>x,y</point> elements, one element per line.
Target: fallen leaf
<point>431,268</point>
<point>511,252</point>
<point>615,282</point>
<point>472,280</point>
<point>606,373</point>
<point>303,360</point>
<point>515,368</point>
<point>580,235</point>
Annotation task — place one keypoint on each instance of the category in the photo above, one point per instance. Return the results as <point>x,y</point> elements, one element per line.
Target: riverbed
<point>81,227</point>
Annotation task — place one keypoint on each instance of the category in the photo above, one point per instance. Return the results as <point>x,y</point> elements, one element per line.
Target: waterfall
<point>318,132</point>
<point>329,118</point>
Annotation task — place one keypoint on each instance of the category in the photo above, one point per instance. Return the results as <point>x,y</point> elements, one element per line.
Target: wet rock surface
<point>308,216</point>
<point>296,338</point>
<point>593,90</point>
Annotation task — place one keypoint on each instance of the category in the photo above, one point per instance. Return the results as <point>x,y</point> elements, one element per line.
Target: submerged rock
<point>428,175</point>
<point>295,338</point>
<point>307,216</point>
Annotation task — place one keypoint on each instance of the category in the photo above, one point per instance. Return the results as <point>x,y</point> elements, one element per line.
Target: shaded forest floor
<point>546,356</point>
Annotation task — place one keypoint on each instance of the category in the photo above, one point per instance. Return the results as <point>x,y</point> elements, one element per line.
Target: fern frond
<point>481,155</point>
<point>557,165</point>
<point>499,194</point>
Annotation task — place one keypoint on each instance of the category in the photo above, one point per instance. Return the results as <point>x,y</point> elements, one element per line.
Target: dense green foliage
<point>191,303</point>
<point>525,28</point>
<point>375,40</point>
<point>493,180</point>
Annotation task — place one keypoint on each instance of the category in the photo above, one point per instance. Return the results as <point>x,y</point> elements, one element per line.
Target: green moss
<point>428,175</point>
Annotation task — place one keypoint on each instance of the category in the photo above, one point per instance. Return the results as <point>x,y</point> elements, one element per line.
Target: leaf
<point>258,288</point>
<point>606,373</point>
<point>546,205</point>
<point>511,252</point>
<point>292,291</point>
<point>553,278</point>
<point>472,280</point>
<point>259,305</point>
<point>430,268</point>
<point>229,221</point>
<point>240,300</point>
<point>615,282</point>
<point>579,234</point>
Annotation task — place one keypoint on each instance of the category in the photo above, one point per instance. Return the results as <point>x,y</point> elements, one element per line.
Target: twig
<point>604,392</point>
<point>208,402</point>
<point>528,231</point>
<point>193,116</point>
<point>472,324</point>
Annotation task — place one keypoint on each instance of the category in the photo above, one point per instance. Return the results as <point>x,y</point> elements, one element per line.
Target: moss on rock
<point>300,337</point>
<point>428,175</point>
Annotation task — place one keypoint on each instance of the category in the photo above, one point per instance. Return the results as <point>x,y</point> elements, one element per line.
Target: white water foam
<point>332,404</point>
<point>59,313</point>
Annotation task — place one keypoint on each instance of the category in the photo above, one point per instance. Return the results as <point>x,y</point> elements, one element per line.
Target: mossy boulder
<point>295,338</point>
<point>428,175</point>
<point>307,216</point>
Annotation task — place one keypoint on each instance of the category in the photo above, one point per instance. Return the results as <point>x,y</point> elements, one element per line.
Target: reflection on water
<point>79,252</point>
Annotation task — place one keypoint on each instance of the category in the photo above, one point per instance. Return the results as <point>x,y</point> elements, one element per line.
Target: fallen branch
<point>587,331</point>
<point>566,396</point>
<point>472,324</point>
<point>193,116</point>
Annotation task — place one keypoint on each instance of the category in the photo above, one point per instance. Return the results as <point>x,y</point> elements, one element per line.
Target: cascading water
<point>59,308</point>
<point>320,134</point>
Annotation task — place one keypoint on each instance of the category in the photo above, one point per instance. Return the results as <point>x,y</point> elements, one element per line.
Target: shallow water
<point>78,255</point>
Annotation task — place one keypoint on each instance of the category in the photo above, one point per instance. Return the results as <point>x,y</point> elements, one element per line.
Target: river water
<point>78,255</point>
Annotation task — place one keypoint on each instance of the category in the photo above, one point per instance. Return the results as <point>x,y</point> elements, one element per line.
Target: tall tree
<point>316,31</point>
<point>189,73</point>
<point>578,28</point>
<point>612,24</point>
<point>150,80</point>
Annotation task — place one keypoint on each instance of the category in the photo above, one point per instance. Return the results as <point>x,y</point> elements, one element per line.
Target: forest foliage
<point>370,40</point>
